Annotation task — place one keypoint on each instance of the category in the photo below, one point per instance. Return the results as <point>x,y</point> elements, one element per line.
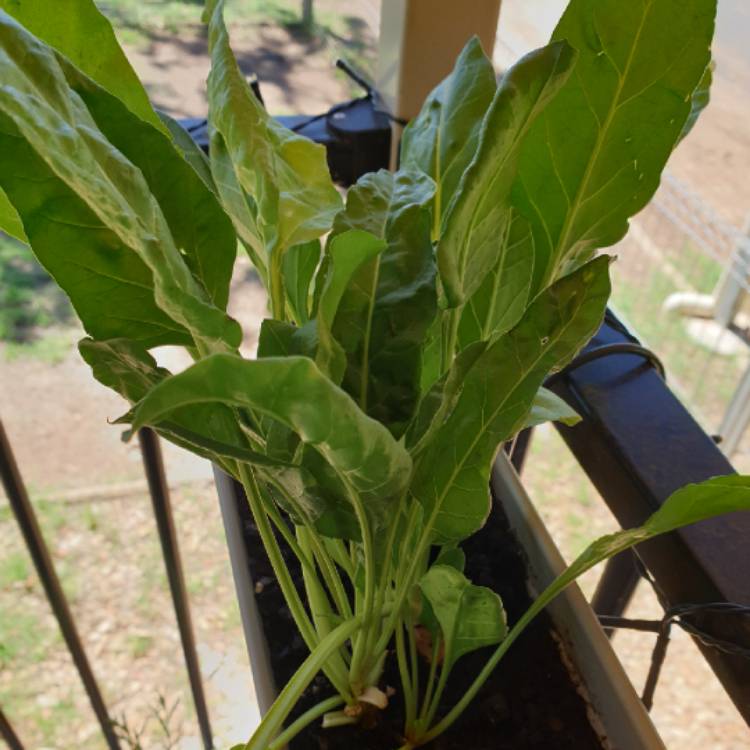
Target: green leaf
<point>390,300</point>
<point>122,365</point>
<point>79,31</point>
<point>451,476</point>
<point>54,121</point>
<point>293,391</point>
<point>10,221</point>
<point>200,228</point>
<point>500,301</point>
<point>286,175</point>
<point>480,211</point>
<point>454,557</point>
<point>346,253</point>
<point>549,407</point>
<point>110,287</point>
<point>237,203</point>
<point>438,403</point>
<point>594,158</point>
<point>300,263</point>
<point>700,99</point>
<point>209,430</point>
<point>190,150</point>
<point>470,616</point>
<point>431,367</point>
<point>442,140</point>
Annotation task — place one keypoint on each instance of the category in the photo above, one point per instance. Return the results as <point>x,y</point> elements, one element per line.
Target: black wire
<point>332,111</point>
<point>606,350</point>
<point>675,615</point>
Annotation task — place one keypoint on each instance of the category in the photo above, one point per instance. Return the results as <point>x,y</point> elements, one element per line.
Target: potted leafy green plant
<point>400,352</point>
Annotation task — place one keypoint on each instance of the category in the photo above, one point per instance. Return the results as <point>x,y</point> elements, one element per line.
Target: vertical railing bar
<point>8,734</point>
<point>24,513</point>
<point>157,482</point>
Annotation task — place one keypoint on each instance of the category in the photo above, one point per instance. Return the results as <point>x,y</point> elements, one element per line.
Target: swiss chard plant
<point>411,328</point>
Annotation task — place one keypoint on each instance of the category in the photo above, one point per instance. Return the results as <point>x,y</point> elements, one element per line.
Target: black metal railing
<point>638,444</point>
<point>24,513</point>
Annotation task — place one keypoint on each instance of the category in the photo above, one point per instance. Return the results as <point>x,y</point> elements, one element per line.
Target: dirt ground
<point>105,546</point>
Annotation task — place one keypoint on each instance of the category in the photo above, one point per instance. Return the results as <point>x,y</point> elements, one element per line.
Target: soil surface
<point>530,702</point>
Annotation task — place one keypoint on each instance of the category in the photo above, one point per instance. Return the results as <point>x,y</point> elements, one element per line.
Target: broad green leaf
<point>442,139</point>
<point>10,221</point>
<point>594,158</point>
<point>293,391</point>
<point>549,407</point>
<point>200,228</point>
<point>237,203</point>
<point>438,403</point>
<point>700,99</point>
<point>500,301</point>
<point>300,263</point>
<point>431,367</point>
<point>109,286</point>
<point>390,300</point>
<point>346,253</point>
<point>286,175</point>
<point>451,476</point>
<point>209,430</point>
<point>470,616</point>
<point>190,150</point>
<point>481,209</point>
<point>54,121</point>
<point>454,557</point>
<point>122,365</point>
<point>79,31</point>
<point>278,338</point>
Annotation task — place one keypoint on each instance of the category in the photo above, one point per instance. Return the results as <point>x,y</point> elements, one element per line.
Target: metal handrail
<point>36,544</point>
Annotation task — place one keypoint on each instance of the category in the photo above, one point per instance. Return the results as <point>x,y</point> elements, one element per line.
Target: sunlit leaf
<point>595,156</point>
<point>452,474</point>
<point>442,139</point>
<point>470,616</point>
<point>480,212</point>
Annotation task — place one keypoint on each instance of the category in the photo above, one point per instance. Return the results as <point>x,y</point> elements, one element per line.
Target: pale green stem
<point>338,719</point>
<point>430,680</point>
<point>288,589</point>
<point>444,672</point>
<point>273,513</point>
<point>451,320</point>
<point>414,660</point>
<point>372,655</point>
<point>357,667</point>
<point>330,574</point>
<point>278,300</point>
<point>337,550</point>
<point>328,569</point>
<point>410,697</point>
<point>307,718</point>
<point>406,579</point>
<point>290,694</point>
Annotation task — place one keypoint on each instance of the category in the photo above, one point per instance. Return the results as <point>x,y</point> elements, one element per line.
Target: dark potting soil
<point>529,703</point>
